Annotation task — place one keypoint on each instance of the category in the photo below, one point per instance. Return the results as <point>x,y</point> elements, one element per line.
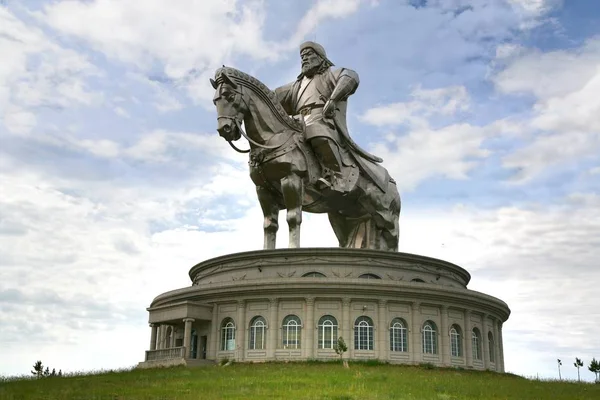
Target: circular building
<point>294,304</point>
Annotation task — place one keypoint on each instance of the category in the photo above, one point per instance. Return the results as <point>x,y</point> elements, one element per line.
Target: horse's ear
<point>213,83</point>
<point>227,79</point>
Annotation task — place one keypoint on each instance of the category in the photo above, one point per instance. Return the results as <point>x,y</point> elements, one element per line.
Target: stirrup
<point>324,183</point>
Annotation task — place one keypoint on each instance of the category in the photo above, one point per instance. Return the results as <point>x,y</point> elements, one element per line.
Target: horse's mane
<point>262,91</point>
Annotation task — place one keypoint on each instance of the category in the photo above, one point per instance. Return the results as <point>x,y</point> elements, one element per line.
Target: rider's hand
<point>329,109</point>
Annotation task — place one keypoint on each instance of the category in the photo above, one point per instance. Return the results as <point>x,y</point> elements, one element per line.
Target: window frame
<point>327,332</point>
<point>258,329</point>
<point>227,327</point>
<point>398,335</point>
<point>429,328</point>
<point>296,328</point>
<point>364,330</point>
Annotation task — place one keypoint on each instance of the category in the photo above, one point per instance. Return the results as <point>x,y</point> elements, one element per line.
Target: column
<point>445,336</point>
<point>187,336</point>
<point>485,343</point>
<point>381,330</point>
<point>416,347</point>
<point>501,346</point>
<point>467,341</point>
<point>161,337</point>
<point>240,331</point>
<point>213,341</point>
<point>273,327</point>
<point>172,338</point>
<point>346,326</point>
<point>496,351</point>
<point>308,330</point>
<point>153,332</point>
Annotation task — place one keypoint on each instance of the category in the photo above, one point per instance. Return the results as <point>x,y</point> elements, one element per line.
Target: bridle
<point>237,121</point>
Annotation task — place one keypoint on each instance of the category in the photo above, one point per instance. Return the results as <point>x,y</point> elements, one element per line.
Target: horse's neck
<point>261,123</point>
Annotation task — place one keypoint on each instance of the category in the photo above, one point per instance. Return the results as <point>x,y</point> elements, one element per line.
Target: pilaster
<point>347,326</point>
<point>485,342</point>
<point>213,341</point>
<point>415,344</point>
<point>273,327</point>
<point>381,330</point>
<point>309,328</point>
<point>445,333</point>
<point>501,346</point>
<point>241,330</point>
<point>496,347</point>
<point>467,339</point>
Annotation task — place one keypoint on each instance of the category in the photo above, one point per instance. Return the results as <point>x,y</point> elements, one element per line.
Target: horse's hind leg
<point>270,210</point>
<point>293,193</point>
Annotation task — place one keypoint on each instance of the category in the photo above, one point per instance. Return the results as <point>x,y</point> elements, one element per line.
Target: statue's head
<point>314,59</point>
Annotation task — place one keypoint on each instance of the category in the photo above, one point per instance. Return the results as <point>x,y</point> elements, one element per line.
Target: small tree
<point>60,372</point>
<point>578,364</point>
<point>47,372</point>
<point>38,369</point>
<point>595,368</point>
<point>340,348</point>
<point>559,364</point>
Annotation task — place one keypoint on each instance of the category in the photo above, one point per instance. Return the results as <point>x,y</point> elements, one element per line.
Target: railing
<point>165,354</point>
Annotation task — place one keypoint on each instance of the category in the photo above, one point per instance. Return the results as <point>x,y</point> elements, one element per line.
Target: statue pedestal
<point>293,304</point>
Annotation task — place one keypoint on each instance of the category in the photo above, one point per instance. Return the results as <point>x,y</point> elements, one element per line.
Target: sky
<point>114,181</point>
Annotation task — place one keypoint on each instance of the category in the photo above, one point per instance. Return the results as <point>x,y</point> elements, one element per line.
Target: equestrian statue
<point>302,157</point>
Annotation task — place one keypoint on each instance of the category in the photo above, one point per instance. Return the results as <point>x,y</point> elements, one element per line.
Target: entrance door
<point>194,345</point>
<point>203,344</point>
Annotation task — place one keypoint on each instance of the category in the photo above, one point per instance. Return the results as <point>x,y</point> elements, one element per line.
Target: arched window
<point>476,344</point>
<point>369,276</point>
<point>429,338</point>
<point>398,341</point>
<point>363,333</point>
<point>313,274</point>
<point>491,347</point>
<point>227,335</point>
<point>328,328</point>
<point>256,341</point>
<point>291,332</point>
<point>455,341</point>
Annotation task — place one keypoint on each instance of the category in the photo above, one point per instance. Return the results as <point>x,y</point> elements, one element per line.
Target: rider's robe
<point>293,100</point>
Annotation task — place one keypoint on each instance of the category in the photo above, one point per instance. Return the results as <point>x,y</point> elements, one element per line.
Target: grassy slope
<point>296,381</point>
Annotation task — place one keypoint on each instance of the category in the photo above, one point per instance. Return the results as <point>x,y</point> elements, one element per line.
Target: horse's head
<point>230,106</point>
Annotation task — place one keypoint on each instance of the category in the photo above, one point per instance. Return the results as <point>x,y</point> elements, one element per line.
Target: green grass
<point>312,380</point>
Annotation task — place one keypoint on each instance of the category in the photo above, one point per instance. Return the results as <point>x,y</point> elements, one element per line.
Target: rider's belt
<point>306,110</point>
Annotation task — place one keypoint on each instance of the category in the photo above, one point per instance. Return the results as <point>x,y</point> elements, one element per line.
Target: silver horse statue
<point>285,170</point>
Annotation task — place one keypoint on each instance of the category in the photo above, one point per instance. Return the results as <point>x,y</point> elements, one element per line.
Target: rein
<point>239,126</point>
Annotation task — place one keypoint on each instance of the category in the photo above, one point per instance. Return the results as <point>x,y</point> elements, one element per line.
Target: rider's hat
<point>317,48</point>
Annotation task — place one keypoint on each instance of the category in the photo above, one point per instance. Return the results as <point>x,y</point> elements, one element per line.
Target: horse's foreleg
<point>270,211</point>
<point>293,193</point>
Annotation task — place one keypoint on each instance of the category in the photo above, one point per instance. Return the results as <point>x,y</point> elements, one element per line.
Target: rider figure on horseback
<point>319,96</point>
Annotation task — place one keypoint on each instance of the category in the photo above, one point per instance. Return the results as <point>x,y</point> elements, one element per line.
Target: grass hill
<point>310,380</point>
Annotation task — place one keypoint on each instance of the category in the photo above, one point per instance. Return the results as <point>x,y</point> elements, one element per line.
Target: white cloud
<point>539,258</point>
<point>321,10</point>
<point>189,39</point>
<point>566,114</point>
<point>534,12</point>
<point>427,102</point>
<point>122,112</point>
<point>424,152</point>
<point>37,72</point>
